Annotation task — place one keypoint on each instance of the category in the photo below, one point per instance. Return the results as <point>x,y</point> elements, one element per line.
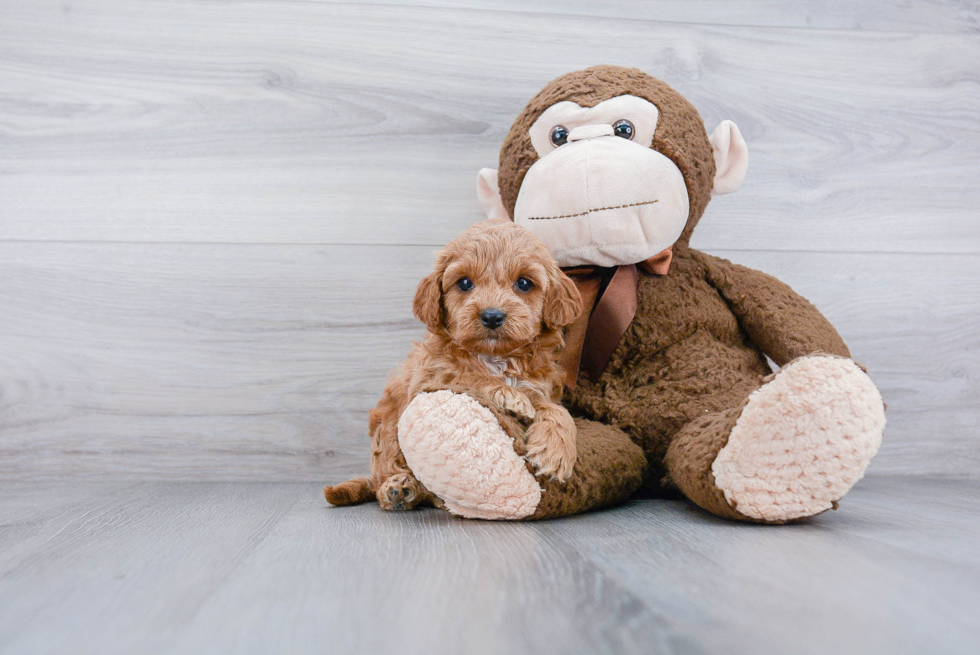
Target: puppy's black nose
<point>492,318</point>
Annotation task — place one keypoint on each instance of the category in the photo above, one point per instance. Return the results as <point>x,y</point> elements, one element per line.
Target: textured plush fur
<point>696,350</point>
<point>688,355</point>
<point>511,368</point>
<point>458,447</point>
<point>680,134</point>
<point>472,455</point>
<point>690,360</point>
<point>798,446</point>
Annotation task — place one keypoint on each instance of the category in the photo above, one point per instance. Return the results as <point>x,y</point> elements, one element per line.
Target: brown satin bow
<point>609,296</point>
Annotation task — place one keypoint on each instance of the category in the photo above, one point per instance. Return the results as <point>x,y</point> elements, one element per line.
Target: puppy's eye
<point>465,284</point>
<point>559,135</point>
<point>524,284</point>
<point>623,128</point>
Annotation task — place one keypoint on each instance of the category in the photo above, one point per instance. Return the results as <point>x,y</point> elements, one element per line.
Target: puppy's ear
<point>563,302</point>
<point>427,306</point>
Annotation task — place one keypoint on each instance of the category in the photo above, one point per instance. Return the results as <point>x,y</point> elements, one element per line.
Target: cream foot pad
<point>802,441</point>
<point>457,449</point>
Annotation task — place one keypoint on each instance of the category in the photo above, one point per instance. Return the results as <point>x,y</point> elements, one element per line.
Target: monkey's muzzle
<point>603,200</point>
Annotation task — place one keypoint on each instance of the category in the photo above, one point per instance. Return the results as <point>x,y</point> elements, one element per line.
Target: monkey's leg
<point>459,450</point>
<point>473,459</point>
<point>798,444</point>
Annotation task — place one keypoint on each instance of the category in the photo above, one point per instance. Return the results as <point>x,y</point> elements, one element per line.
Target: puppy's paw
<point>400,492</point>
<point>512,400</point>
<point>551,448</point>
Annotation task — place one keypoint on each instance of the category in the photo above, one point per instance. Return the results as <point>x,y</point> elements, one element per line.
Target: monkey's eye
<point>623,128</point>
<point>524,284</point>
<point>465,284</point>
<point>559,135</point>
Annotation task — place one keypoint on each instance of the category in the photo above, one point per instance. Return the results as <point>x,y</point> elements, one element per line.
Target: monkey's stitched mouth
<point>590,211</point>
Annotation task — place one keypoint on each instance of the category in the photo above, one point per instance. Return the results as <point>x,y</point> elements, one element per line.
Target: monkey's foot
<point>456,447</point>
<point>802,441</point>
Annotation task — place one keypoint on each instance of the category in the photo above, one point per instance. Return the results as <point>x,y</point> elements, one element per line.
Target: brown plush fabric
<point>693,353</point>
<point>609,469</point>
<point>683,356</point>
<point>681,374</point>
<point>680,131</point>
<point>690,455</point>
<point>783,324</point>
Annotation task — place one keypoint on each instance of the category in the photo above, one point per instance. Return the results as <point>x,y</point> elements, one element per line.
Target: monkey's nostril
<point>492,318</point>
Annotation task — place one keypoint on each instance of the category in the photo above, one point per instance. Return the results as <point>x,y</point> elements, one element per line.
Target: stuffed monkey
<point>612,169</point>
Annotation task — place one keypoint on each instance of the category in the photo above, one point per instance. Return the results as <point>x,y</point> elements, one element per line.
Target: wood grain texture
<point>255,362</point>
<point>213,214</point>
<point>261,362</point>
<point>939,16</point>
<point>127,565</point>
<point>260,568</point>
<point>307,122</point>
<point>837,583</point>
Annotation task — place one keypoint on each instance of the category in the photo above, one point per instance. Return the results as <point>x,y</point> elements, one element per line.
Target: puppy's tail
<point>352,492</point>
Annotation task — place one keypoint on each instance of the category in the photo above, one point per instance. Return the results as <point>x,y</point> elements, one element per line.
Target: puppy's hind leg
<point>352,492</point>
<point>401,492</point>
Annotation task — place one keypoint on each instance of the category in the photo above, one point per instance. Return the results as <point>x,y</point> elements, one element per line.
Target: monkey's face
<point>599,194</point>
<point>609,166</point>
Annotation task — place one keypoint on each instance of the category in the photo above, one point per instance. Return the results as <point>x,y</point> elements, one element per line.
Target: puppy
<point>494,306</point>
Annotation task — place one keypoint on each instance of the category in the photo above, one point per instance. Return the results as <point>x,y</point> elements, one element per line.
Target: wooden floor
<point>230,567</point>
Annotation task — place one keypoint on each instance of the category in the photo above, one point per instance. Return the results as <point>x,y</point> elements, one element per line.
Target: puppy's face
<point>494,288</point>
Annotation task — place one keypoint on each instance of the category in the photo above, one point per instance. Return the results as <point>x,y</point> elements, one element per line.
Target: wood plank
<point>887,15</point>
<point>259,568</point>
<point>32,515</point>
<point>897,512</point>
<point>814,587</point>
<point>359,580</point>
<point>119,574</point>
<point>191,361</point>
<point>261,362</point>
<point>307,122</point>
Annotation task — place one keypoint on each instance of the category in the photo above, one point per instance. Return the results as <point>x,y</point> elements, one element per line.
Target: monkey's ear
<point>731,158</point>
<point>427,306</point>
<point>562,303</point>
<point>488,193</point>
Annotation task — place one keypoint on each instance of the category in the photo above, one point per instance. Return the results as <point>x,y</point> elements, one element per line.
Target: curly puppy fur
<point>512,364</point>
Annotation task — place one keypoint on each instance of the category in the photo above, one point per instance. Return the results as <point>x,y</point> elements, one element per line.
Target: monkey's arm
<point>783,324</point>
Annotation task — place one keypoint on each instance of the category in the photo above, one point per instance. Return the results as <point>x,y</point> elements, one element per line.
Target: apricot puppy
<point>494,309</point>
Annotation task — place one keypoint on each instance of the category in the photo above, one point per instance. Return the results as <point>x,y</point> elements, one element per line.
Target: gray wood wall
<point>213,214</point>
